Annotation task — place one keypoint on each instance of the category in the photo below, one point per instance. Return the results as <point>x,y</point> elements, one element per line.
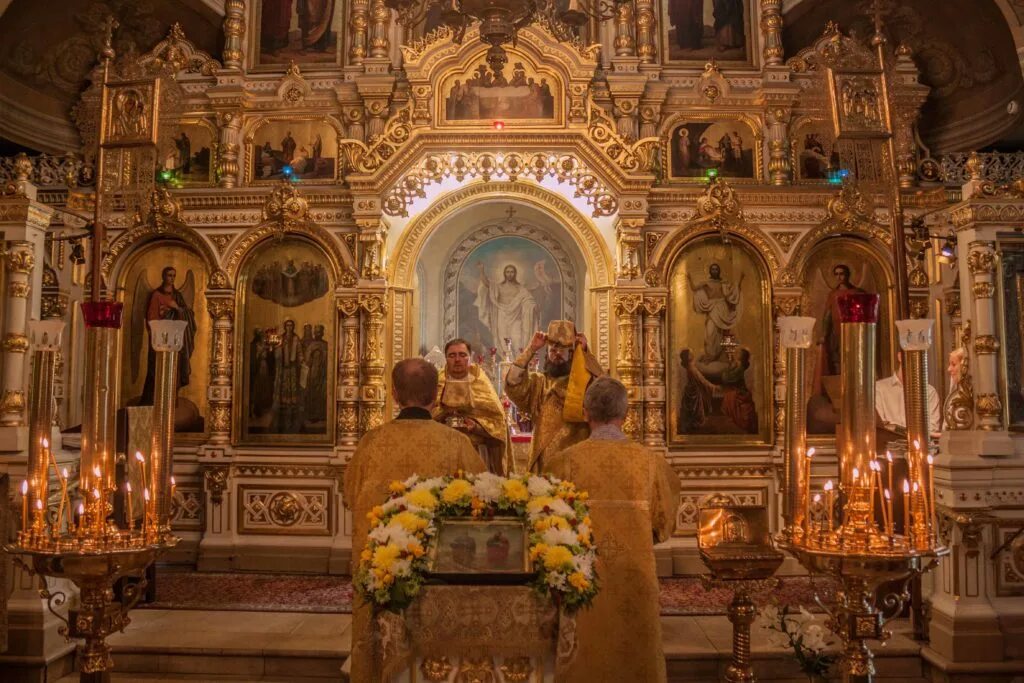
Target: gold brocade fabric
<point>484,407</point>
<point>473,621</point>
<point>633,492</point>
<point>393,451</point>
<point>543,399</point>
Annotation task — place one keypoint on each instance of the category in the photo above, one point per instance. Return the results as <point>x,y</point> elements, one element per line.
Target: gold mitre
<point>562,333</point>
<point>457,395</point>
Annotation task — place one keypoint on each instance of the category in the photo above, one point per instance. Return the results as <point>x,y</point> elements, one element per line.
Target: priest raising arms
<point>467,402</point>
<point>633,492</point>
<point>410,444</point>
<point>553,399</point>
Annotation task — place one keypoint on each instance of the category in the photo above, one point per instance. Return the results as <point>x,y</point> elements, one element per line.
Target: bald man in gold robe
<point>466,401</point>
<point>554,398</point>
<point>412,443</point>
<point>634,494</point>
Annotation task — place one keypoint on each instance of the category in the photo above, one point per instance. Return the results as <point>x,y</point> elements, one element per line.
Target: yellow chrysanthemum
<point>456,491</point>
<point>539,503</point>
<point>387,580</point>
<point>578,581</point>
<point>416,549</point>
<point>366,555</point>
<point>584,539</point>
<point>515,490</point>
<point>422,498</point>
<point>552,522</point>
<point>386,555</point>
<point>557,557</point>
<point>396,487</point>
<point>375,513</point>
<point>410,521</point>
<point>538,550</point>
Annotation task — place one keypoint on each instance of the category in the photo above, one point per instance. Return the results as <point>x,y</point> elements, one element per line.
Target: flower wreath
<point>393,565</point>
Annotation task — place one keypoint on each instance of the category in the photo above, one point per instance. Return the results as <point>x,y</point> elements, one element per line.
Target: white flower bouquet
<point>799,631</point>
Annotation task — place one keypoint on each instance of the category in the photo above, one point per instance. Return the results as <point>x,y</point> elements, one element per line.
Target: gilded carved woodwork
<point>216,481</point>
<point>18,290</point>
<point>981,261</point>
<point>986,344</point>
<point>20,260</point>
<point>14,343</point>
<point>12,402</point>
<point>631,157</point>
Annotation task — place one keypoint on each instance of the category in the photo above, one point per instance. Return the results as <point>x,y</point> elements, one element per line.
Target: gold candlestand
<point>795,336</point>
<point>735,545</point>
<point>862,551</point>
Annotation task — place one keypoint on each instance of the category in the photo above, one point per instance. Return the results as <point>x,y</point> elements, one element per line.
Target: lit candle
<point>131,511</point>
<point>888,506</point>
<point>906,508</point>
<point>24,505</point>
<point>807,491</point>
<point>81,520</point>
<point>876,484</point>
<point>931,493</point>
<point>63,499</point>
<point>97,503</point>
<point>888,457</point>
<point>828,502</point>
<point>145,509</point>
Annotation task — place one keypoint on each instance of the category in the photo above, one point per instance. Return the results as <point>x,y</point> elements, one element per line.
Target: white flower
<point>561,508</point>
<point>778,639</point>
<point>394,504</point>
<point>487,487</point>
<point>539,486</point>
<point>556,536</point>
<point>411,481</point>
<point>429,484</point>
<point>814,636</point>
<point>392,533</point>
<point>585,564</point>
<point>556,580</point>
<point>402,567</point>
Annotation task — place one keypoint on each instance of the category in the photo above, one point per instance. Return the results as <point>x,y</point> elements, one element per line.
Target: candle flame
<point>906,486</point>
<point>931,460</point>
<point>887,494</point>
<point>96,494</point>
<point>39,503</point>
<point>46,442</point>
<point>817,497</point>
<point>916,487</point>
<point>128,486</point>
<point>81,508</point>
<point>64,472</point>
<point>24,487</point>
<point>145,493</point>
<point>856,473</point>
<point>828,485</point>
<point>917,444</point>
<point>173,482</point>
<point>138,456</point>
<point>97,472</point>
<point>888,456</point>
<point>810,452</point>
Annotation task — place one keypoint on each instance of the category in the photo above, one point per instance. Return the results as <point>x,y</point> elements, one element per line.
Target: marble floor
<point>179,645</point>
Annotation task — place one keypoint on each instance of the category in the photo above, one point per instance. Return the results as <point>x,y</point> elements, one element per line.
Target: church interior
<point>790,229</point>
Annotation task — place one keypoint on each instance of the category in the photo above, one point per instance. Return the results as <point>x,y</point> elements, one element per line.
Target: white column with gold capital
<point>167,338</point>
<point>795,333</point>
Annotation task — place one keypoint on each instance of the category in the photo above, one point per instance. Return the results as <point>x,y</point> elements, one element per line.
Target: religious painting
<point>305,151</point>
<point>835,267</point>
<point>701,30</point>
<point>131,113</point>
<point>166,282</point>
<point>509,287</point>
<point>727,148</point>
<point>484,548</point>
<point>720,361</point>
<point>286,341</point>
<point>185,154</point>
<point>300,31</point>
<point>815,152</point>
<point>482,94</point>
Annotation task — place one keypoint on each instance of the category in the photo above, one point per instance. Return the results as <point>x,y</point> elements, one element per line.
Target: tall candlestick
<point>24,505</point>
<point>146,515</point>
<point>906,508</point>
<point>888,507</point>
<point>807,491</point>
<point>888,457</point>
<point>828,502</point>
<point>931,494</point>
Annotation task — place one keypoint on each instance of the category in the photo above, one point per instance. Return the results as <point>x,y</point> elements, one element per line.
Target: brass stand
<point>741,612</point>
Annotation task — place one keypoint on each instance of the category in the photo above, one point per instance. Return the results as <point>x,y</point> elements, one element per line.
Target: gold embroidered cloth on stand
<point>485,628</point>
<point>477,399</point>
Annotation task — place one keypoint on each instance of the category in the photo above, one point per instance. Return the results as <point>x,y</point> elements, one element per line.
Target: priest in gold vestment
<point>553,399</point>
<point>633,492</point>
<point>412,443</point>
<point>466,401</point>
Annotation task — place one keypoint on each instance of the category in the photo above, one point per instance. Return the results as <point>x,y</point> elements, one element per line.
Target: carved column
<point>771,29</point>
<point>646,23</point>
<point>782,304</point>
<point>654,370</point>
<point>20,261</point>
<point>348,372</point>
<point>779,170</point>
<point>650,115</point>
<point>627,312</point>
<point>222,311</point>
<point>234,32</point>
<point>625,46</point>
<point>228,157</point>
<point>981,262</point>
<point>625,112</point>
<point>377,111</point>
<point>373,388</point>
<point>630,243</point>
<point>355,118</point>
<point>372,234</point>
<point>380,20</point>
<point>359,22</point>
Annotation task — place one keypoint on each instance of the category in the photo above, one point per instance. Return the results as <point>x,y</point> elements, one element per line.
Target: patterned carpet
<point>250,591</point>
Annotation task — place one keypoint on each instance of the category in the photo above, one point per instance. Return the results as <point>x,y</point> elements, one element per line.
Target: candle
<point>906,508</point>
<point>145,509</point>
<point>131,511</point>
<point>81,520</point>
<point>63,476</point>
<point>888,506</point>
<point>876,484</point>
<point>930,493</point>
<point>40,522</point>
<point>888,457</point>
<point>807,491</point>
<point>24,505</point>
<point>828,502</point>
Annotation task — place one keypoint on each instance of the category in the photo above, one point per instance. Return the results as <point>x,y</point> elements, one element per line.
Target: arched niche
<point>442,240</point>
<point>165,279</point>
<point>285,338</point>
<point>720,343</point>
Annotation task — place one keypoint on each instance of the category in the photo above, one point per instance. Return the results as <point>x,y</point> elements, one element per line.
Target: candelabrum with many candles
<point>848,531</point>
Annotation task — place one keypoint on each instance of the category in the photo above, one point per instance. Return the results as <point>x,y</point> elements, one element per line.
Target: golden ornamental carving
<point>348,419</point>
<point>989,405</point>
<point>785,239</point>
<point>952,298</point>
<point>850,208</point>
<point>476,670</point>
<point>370,156</point>
<point>435,167</point>
<point>221,309</point>
<point>630,156</point>
<point>986,345</point>
<point>284,509</point>
<point>18,290</point>
<point>786,305</point>
<point>652,278</point>
<point>285,207</point>
<point>53,305</point>
<point>1013,190</point>
<point>221,241</point>
<point>373,304</point>
<point>142,232</point>
<point>654,305</point>
<point>220,417</point>
<point>164,210</point>
<point>436,668</point>
<point>983,290</point>
<point>177,53</point>
<point>14,343</point>
<point>516,669</point>
<point>631,425</point>
<point>981,261</point>
<point>833,50</point>
<point>975,166</point>
<point>12,402</point>
<point>20,261</point>
<point>720,203</point>
<point>216,479</point>
<point>654,419</point>
<point>219,280</point>
<point>918,277</point>
<point>348,306</point>
<point>627,304</point>
<point>919,308</point>
<point>958,410</point>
